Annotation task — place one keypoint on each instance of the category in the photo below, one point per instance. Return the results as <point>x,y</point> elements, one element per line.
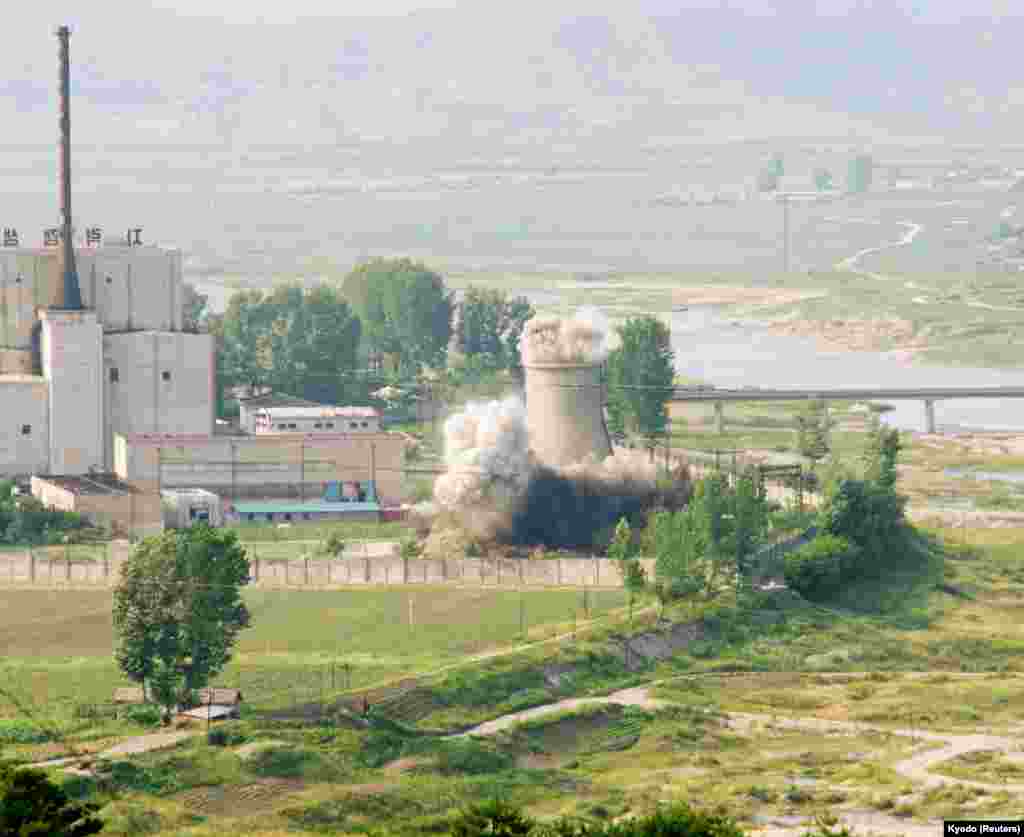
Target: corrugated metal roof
<point>299,508</point>
<point>213,711</point>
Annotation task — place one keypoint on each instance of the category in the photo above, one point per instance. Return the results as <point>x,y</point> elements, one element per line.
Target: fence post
<point>559,567</point>
<point>305,559</point>
<point>32,565</point>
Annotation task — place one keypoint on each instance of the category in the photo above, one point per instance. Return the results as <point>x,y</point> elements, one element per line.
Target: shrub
<point>31,804</point>
<point>19,731</point>
<point>145,715</point>
<point>816,569</point>
<point>495,818</point>
<point>334,544</point>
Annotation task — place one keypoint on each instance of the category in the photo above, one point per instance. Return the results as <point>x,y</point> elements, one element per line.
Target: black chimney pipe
<point>72,292</point>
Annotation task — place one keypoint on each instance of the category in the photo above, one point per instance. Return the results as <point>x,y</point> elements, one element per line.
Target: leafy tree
<point>293,340</point>
<point>24,519</point>
<point>490,325</point>
<point>623,549</point>
<point>812,431</point>
<point>823,180</point>
<point>749,519</point>
<point>880,453</point>
<point>33,806</point>
<point>178,610</point>
<point>777,166</point>
<point>640,376</point>
<point>193,308</point>
<point>405,310</point>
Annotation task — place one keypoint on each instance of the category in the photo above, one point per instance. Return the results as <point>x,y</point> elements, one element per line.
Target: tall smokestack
<point>72,291</point>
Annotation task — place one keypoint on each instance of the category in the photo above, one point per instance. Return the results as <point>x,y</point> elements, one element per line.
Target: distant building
<point>320,419</point>
<point>184,507</point>
<point>103,499</point>
<point>249,405</point>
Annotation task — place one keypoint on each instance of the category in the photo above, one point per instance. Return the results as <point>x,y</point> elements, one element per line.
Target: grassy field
<point>857,658</point>
<point>57,648</point>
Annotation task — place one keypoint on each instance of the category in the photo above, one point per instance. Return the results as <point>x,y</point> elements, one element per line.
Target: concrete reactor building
<point>107,401</point>
<point>92,344</point>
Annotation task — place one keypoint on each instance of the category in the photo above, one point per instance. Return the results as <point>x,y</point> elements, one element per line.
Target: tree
<point>303,342</point>
<point>490,325</point>
<point>33,806</point>
<point>178,610</point>
<point>749,520</point>
<point>823,180</point>
<point>193,308</point>
<point>860,173</point>
<point>812,431</point>
<point>495,818</point>
<point>640,376</point>
<point>405,310</point>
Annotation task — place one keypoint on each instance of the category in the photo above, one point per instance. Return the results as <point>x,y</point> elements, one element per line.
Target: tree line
<point>313,342</point>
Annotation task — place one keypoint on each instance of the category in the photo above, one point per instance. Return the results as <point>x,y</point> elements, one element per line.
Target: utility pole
<point>785,234</point>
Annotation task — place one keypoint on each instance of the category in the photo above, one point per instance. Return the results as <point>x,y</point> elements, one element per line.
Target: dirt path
<point>916,767</point>
<point>129,747</point>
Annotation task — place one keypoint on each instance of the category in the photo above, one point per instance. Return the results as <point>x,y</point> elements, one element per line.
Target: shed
<point>212,712</point>
<point>129,695</point>
<point>220,696</point>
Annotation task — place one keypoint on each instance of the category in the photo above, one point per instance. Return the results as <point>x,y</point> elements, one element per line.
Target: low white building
<point>322,419</point>
<point>184,507</point>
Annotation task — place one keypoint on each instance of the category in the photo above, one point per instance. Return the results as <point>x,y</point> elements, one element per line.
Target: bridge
<point>929,395</point>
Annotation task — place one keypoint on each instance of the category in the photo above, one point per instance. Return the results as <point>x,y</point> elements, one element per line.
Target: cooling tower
<point>565,413</point>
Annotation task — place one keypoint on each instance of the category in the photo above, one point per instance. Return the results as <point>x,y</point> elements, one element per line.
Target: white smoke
<point>585,338</point>
<point>486,452</point>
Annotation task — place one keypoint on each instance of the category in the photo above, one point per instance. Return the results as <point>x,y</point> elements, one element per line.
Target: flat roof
<point>92,484</point>
<point>299,508</point>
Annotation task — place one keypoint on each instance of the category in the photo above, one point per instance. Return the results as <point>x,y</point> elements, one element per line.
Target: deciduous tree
<point>178,610</point>
<point>640,376</point>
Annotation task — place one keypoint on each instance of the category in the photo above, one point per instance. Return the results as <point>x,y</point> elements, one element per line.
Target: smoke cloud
<point>585,338</point>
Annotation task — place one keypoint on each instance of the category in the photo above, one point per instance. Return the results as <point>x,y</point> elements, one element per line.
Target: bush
<point>145,715</point>
<point>19,731</point>
<point>816,569</point>
<point>31,804</point>
<point>495,818</point>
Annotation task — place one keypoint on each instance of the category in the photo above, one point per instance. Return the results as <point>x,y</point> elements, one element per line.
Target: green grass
<point>58,647</point>
<point>299,531</point>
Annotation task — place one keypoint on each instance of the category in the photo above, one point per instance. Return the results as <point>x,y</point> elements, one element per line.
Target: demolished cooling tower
<point>565,413</point>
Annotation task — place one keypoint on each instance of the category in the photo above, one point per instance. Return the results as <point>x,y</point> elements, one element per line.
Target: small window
<point>329,425</point>
<point>17,280</point>
<point>115,375</point>
<point>353,425</point>
<point>110,281</point>
<point>26,430</point>
<point>165,375</point>
<point>281,427</point>
<point>318,425</point>
<point>287,515</point>
<point>291,426</point>
<point>270,516</point>
<point>366,424</point>
<point>251,516</point>
<point>307,516</point>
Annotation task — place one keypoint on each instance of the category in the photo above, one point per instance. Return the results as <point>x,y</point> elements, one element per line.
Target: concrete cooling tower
<point>565,413</point>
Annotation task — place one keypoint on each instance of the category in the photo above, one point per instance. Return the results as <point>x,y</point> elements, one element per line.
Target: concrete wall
<point>565,413</point>
<point>141,401</point>
<point>144,291</point>
<point>23,401</point>
<point>131,514</point>
<point>48,567</point>
<point>263,466</point>
<point>72,356</point>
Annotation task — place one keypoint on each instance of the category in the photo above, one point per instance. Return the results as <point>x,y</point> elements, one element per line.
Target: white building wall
<point>144,290</point>
<point>72,356</point>
<point>23,401</point>
<point>142,401</point>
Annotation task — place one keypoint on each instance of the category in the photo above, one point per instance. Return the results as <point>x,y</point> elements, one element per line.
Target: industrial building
<point>320,419</point>
<point>186,507</point>
<point>107,401</point>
